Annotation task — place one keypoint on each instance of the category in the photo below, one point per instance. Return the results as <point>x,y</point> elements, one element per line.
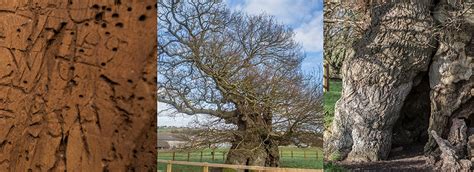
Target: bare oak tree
<point>243,70</point>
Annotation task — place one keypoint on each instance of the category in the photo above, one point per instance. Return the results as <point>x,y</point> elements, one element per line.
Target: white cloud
<point>167,116</point>
<point>311,35</point>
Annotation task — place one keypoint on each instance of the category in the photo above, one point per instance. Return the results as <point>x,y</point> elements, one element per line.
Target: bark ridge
<point>78,85</point>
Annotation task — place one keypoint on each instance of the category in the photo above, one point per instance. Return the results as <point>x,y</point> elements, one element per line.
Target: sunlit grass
<point>330,99</point>
<point>313,160</point>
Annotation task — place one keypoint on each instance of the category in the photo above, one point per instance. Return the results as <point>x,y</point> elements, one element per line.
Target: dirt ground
<point>404,159</point>
<point>418,163</point>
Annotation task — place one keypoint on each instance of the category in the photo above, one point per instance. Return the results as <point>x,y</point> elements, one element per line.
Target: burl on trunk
<point>77,85</point>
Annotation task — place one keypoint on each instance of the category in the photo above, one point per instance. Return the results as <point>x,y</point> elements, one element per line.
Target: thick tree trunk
<point>77,85</point>
<point>395,49</point>
<point>252,151</point>
<point>392,60</point>
<point>451,72</point>
<point>253,143</point>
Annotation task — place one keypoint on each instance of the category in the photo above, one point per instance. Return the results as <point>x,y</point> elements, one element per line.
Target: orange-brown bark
<point>77,85</point>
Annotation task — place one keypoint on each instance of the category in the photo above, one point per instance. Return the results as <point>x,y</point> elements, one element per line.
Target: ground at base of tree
<point>417,163</point>
<point>401,159</point>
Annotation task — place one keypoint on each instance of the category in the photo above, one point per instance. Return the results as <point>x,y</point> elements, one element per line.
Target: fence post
<point>281,153</point>
<point>168,167</point>
<point>326,77</point>
<point>292,154</point>
<point>304,152</point>
<point>174,154</point>
<point>201,156</point>
<point>317,155</point>
<point>188,156</point>
<point>205,168</point>
<point>223,156</point>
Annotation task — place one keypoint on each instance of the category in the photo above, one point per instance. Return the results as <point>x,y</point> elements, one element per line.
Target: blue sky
<point>305,17</point>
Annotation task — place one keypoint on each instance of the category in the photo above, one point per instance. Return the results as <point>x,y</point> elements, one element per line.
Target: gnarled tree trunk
<point>253,150</point>
<point>393,51</point>
<point>451,72</point>
<point>422,49</point>
<point>77,85</point>
<point>252,143</point>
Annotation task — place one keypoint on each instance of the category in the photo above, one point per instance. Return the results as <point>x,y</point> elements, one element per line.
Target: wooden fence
<point>205,167</point>
<point>326,78</point>
<point>218,155</point>
<point>306,154</point>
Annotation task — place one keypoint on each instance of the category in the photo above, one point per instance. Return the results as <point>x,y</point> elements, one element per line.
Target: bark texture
<point>378,78</point>
<point>451,81</point>
<point>450,160</point>
<point>252,145</point>
<point>252,150</point>
<point>412,71</point>
<point>77,85</point>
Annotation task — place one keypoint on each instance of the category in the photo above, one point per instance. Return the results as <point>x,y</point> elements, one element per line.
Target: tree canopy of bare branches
<point>243,70</point>
<point>343,24</point>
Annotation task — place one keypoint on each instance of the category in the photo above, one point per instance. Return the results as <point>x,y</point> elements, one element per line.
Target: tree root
<point>451,158</point>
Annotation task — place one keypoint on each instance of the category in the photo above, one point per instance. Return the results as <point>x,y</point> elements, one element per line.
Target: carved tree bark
<point>77,85</point>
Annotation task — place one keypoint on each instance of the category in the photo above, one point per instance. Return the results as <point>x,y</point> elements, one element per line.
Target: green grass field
<point>313,160</point>
<point>330,99</point>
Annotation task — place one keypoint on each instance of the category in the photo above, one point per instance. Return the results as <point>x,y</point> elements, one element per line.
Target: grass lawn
<point>330,99</point>
<point>313,160</point>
